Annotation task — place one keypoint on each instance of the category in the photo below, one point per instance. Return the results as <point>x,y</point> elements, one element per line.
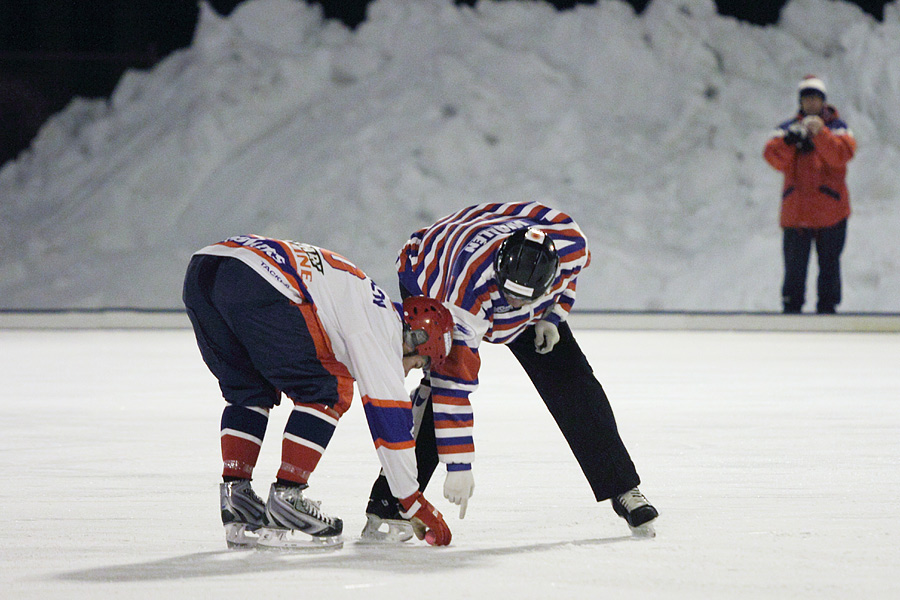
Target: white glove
<point>813,124</point>
<point>545,336</point>
<point>458,488</point>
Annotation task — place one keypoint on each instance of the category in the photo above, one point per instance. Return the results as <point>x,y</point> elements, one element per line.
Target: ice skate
<point>384,525</point>
<point>295,522</point>
<point>243,512</point>
<point>637,512</point>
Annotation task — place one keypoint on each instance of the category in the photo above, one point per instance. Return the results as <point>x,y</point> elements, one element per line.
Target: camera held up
<point>798,136</point>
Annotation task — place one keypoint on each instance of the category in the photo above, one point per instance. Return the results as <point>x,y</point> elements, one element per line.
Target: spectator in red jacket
<point>812,150</point>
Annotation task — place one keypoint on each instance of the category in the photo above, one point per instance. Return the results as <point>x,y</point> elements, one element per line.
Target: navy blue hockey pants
<point>253,338</point>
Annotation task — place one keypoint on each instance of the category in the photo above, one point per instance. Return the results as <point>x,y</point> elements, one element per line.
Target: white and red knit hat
<point>811,84</point>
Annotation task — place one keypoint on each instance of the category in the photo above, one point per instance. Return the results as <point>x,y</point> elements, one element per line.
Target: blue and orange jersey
<point>357,331</point>
<point>453,261</point>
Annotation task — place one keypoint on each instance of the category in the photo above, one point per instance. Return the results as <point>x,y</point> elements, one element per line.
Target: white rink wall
<point>584,320</point>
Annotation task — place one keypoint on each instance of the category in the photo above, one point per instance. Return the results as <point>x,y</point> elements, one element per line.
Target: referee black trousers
<point>566,383</point>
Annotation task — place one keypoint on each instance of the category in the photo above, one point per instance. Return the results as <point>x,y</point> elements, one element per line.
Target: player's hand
<point>427,522</point>
<point>545,336</point>
<point>458,488</point>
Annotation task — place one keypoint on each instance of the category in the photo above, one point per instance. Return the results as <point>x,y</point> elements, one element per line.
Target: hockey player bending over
<point>508,273</point>
<point>275,316</point>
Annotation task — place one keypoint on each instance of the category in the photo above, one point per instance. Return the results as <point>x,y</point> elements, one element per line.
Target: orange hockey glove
<point>428,523</point>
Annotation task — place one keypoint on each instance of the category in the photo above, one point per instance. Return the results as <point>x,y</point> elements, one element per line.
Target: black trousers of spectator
<point>566,383</point>
<point>797,245</point>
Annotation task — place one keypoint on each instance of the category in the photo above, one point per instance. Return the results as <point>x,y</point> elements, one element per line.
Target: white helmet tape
<point>516,288</point>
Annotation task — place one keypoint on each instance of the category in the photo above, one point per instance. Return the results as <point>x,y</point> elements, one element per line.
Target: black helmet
<point>526,264</point>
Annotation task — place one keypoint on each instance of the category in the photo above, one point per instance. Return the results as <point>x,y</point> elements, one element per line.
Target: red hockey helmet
<point>429,328</point>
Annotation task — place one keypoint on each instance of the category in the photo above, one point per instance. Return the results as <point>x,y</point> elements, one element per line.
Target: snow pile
<point>647,129</point>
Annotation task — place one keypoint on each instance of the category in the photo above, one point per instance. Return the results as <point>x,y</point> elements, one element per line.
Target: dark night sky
<point>52,50</point>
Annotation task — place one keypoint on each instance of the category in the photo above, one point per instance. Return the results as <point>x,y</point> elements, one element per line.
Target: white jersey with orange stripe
<point>360,336</point>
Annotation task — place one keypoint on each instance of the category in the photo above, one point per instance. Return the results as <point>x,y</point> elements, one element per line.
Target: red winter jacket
<point>815,190</point>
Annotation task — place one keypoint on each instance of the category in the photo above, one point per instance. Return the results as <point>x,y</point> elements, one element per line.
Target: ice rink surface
<point>774,459</point>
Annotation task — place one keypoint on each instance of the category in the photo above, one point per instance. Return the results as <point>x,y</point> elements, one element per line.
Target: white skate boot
<point>294,522</point>
<point>243,512</point>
